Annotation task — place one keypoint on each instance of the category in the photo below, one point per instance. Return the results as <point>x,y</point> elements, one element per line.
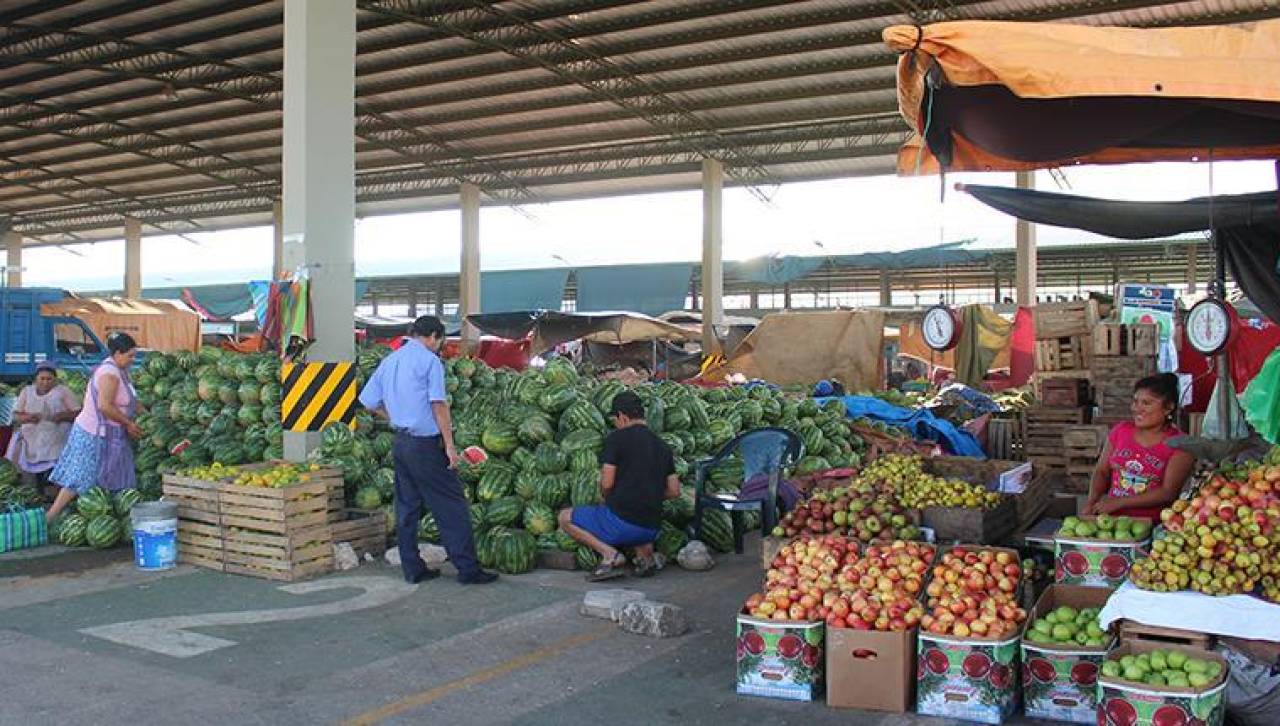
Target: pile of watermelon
<point>205,407</point>
<point>13,494</point>
<point>533,439</point>
<point>100,520</point>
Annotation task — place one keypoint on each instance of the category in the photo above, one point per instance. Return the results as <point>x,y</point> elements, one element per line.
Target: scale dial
<point>1208,326</point>
<point>941,328</point>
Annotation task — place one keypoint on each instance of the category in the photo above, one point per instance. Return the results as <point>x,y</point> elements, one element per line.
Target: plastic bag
<point>1212,427</point>
<point>1261,399</point>
<point>1253,691</point>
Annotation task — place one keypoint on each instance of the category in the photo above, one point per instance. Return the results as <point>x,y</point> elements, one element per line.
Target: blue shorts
<point>611,529</point>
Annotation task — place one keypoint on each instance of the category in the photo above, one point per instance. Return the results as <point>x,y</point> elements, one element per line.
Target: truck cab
<point>28,337</point>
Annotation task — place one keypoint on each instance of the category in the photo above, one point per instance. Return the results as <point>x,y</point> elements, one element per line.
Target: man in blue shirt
<point>408,389</point>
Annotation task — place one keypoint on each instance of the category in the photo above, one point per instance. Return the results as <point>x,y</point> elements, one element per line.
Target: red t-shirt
<point>1136,469</point>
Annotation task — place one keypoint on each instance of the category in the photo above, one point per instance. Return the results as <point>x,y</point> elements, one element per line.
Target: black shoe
<point>480,577</point>
<point>426,574</point>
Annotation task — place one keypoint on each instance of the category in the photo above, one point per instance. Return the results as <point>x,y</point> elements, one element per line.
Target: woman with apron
<point>98,451</point>
<point>44,412</point>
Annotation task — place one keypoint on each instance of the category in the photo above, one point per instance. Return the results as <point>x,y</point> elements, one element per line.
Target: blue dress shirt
<point>406,383</point>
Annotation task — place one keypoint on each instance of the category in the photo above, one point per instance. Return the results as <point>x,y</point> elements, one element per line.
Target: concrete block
<point>654,619</point>
<point>607,604</point>
<point>344,557</point>
<point>695,556</point>
<point>430,554</point>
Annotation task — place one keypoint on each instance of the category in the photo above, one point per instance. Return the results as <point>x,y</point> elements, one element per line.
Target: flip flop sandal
<point>608,570</point>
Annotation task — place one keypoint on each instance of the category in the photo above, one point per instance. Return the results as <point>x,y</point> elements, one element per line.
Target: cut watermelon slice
<point>474,455</point>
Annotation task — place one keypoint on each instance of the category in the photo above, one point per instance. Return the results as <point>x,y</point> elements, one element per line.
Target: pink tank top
<point>89,416</point>
<point>1136,469</point>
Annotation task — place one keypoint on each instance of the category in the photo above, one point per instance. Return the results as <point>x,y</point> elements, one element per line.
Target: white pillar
<point>277,240</point>
<point>132,258</point>
<point>469,281</point>
<point>1025,260</point>
<point>319,164</point>
<point>712,248</point>
<point>886,289</point>
<point>13,260</point>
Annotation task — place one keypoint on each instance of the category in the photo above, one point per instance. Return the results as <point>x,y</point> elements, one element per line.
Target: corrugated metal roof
<point>169,111</point>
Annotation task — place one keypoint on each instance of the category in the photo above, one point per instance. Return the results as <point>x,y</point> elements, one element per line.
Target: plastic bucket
<point>155,535</point>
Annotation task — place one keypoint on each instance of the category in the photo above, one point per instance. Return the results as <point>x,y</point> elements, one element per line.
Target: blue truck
<point>28,337</point>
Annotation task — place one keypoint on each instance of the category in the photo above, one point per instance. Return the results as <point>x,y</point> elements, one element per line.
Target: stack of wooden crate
<point>1042,438</point>
<point>1122,355</point>
<point>1081,446</point>
<point>1064,349</point>
<point>284,533</point>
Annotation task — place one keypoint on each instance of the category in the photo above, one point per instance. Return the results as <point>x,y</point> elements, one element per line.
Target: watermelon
<point>586,558</point>
<point>336,436</point>
<point>428,529</point>
<point>267,371</point>
<point>384,479</point>
<point>103,531</point>
<point>71,530</point>
<point>515,552</point>
<point>717,529</point>
<point>526,484</point>
<point>249,392</point>
<point>500,439</point>
<point>552,491</point>
<point>477,513</point>
<point>535,430</point>
<point>523,459</point>
<point>582,439</point>
<point>679,511</point>
<point>582,415</point>
<point>498,481</point>
<point>368,498</point>
<point>812,465</point>
<point>584,460</point>
<point>559,372</point>
<point>539,519</point>
<point>506,511</point>
<point>556,399</point>
<point>722,431</point>
<point>474,455</point>
<point>124,501</point>
<point>670,541</point>
<point>585,489</point>
<point>564,542</point>
<point>549,458</point>
<point>94,503</point>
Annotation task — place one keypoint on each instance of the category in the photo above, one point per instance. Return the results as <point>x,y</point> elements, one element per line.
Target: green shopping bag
<point>1261,399</point>
<point>22,529</point>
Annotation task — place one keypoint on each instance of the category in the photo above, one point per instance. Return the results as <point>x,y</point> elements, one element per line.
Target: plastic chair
<point>767,450</point>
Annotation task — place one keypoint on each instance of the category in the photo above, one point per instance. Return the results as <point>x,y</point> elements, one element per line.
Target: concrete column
<point>13,259</point>
<point>132,258</point>
<point>886,290</point>
<point>786,296</point>
<point>754,303</point>
<point>413,303</point>
<point>439,298</point>
<point>996,278</point>
<point>469,282</point>
<point>1025,258</point>
<point>712,248</point>
<point>1193,274</point>
<point>277,240</point>
<point>319,163</point>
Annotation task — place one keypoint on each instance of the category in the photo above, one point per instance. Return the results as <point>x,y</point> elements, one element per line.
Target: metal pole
<point>1225,389</point>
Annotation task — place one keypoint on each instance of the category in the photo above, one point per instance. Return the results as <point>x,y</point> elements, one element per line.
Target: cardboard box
<point>1095,562</point>
<point>1059,682</point>
<point>967,679</point>
<point>780,658</point>
<point>1124,703</point>
<point>871,670</point>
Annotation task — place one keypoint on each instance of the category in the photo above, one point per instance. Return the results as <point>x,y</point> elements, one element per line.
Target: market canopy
<point>988,96</point>
<point>549,328</point>
<point>1247,227</point>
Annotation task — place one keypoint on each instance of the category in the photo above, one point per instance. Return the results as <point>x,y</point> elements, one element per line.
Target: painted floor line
<point>506,667</point>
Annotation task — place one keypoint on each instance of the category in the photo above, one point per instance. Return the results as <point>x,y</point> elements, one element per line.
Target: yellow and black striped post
<point>315,394</point>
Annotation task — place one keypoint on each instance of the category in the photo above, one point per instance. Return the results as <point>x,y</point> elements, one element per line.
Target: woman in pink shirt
<point>1138,473</point>
<point>98,452</point>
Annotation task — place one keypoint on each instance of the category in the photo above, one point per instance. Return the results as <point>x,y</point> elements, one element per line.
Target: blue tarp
<point>507,290</point>
<point>921,423</point>
<point>647,289</point>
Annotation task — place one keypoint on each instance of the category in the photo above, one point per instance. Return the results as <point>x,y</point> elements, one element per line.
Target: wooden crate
<point>1125,366</point>
<point>1004,439</point>
<point>557,560</point>
<point>197,499</point>
<point>201,545</point>
<point>1089,438</point>
<point>1034,500</point>
<point>1108,339</point>
<point>1064,392</point>
<point>280,511</point>
<point>1044,430</point>
<point>1062,320</point>
<point>364,529</point>
<point>1132,630</point>
<point>1142,339</point>
<point>1070,353</point>
<point>331,477</point>
<point>290,557</point>
<point>975,526</point>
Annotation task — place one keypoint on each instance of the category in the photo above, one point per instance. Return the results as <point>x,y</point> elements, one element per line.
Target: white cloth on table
<point>1237,616</point>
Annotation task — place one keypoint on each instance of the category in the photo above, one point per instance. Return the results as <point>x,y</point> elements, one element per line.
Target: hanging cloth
<point>984,335</point>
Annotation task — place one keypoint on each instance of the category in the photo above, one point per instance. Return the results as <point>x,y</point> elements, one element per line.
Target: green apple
<point>1158,662</point>
<point>1105,521</point>
<point>1043,626</point>
<point>1199,680</point>
<point>1140,530</point>
<point>1086,529</point>
<point>1155,679</point>
<point>1094,631</point>
<point>1128,661</point>
<point>1134,673</point>
<point>1111,669</point>
<point>1062,632</point>
<point>1082,637</point>
<point>1071,522</point>
<point>1144,660</point>
<point>1215,668</point>
<point>1095,642</point>
<point>1195,665</point>
<point>1176,659</point>
<point>1177,678</point>
<point>1065,614</point>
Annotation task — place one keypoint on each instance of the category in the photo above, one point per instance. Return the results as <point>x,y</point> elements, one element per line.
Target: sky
<point>869,214</point>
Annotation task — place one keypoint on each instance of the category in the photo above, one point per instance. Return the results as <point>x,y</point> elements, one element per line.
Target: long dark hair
<point>1163,386</point>
<point>118,343</point>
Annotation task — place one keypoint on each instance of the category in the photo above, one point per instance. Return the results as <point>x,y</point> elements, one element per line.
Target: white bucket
<point>155,535</point>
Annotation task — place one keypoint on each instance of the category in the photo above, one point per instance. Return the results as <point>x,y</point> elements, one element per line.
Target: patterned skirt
<point>78,466</point>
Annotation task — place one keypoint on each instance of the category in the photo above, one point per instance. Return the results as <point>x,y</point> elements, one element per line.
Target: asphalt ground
<point>363,647</point>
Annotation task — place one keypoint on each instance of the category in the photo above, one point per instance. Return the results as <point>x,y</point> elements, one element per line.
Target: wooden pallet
<point>364,529</point>
<point>280,511</point>
<point>201,545</point>
<point>331,477</point>
<point>197,499</point>
<point>298,555</point>
<point>1043,434</point>
<point>1069,353</point>
<point>1132,630</point>
<point>1062,320</point>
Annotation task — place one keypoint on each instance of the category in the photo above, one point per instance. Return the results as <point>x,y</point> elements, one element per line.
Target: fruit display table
<point>1239,616</point>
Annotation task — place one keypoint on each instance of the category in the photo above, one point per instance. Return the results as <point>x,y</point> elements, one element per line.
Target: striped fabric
<point>22,529</point>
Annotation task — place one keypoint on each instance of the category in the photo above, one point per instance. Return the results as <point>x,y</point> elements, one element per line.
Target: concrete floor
<point>514,652</point>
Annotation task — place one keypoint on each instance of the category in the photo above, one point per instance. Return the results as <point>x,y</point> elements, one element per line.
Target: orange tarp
<point>154,324</point>
<point>1231,64</point>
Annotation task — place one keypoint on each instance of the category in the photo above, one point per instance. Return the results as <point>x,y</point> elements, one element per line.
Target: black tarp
<point>1246,227</point>
<point>550,328</point>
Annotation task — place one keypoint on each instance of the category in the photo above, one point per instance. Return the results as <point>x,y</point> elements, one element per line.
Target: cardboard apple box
<point>1059,682</point>
<point>1125,703</point>
<point>779,658</point>
<point>1095,562</point>
<point>871,670</point>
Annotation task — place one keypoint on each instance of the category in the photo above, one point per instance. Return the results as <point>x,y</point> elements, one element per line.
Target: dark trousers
<point>423,478</point>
